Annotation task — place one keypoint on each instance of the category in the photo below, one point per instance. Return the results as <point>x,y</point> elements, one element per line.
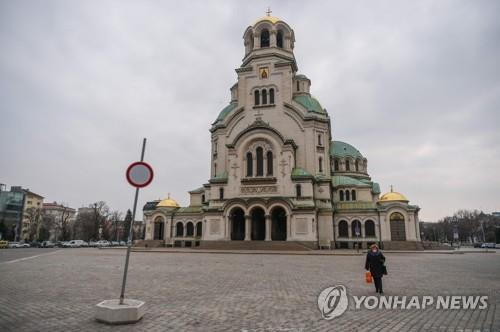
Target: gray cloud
<point>414,86</point>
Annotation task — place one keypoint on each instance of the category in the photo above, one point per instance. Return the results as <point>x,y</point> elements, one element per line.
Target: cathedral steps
<point>254,245</point>
<point>403,245</point>
<point>149,243</point>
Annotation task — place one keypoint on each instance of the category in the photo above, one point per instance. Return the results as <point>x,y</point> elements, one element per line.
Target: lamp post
<point>454,222</point>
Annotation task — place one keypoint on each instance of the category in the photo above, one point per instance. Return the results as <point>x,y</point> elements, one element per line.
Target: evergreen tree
<point>126,226</point>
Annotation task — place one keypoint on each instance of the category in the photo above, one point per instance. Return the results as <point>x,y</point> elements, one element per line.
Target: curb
<point>298,253</point>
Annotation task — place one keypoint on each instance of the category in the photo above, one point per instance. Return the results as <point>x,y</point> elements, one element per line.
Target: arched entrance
<point>159,226</point>
<point>278,224</point>
<point>258,224</point>
<point>237,216</point>
<point>398,231</point>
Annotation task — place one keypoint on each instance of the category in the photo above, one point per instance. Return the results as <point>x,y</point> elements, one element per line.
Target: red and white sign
<point>139,174</point>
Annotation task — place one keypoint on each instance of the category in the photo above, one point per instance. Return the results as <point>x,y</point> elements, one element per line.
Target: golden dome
<point>272,19</point>
<point>168,202</point>
<point>393,196</point>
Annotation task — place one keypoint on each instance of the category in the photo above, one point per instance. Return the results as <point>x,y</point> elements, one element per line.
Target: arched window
<point>189,229</point>
<point>319,140</point>
<point>353,195</point>
<point>298,86</point>
<point>221,193</point>
<point>260,161</point>
<point>269,163</point>
<point>249,164</point>
<point>347,165</point>
<point>179,229</point>
<point>298,189</point>
<point>256,95</point>
<point>356,228</point>
<point>343,229</point>
<point>347,195</point>
<point>271,96</point>
<point>341,194</point>
<point>215,169</point>
<point>369,228</point>
<point>264,38</point>
<point>279,39</point>
<point>264,97</point>
<point>320,161</point>
<point>336,164</point>
<point>203,198</point>
<point>199,229</point>
<point>357,165</point>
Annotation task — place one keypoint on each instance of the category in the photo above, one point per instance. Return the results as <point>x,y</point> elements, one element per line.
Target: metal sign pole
<point>130,233</point>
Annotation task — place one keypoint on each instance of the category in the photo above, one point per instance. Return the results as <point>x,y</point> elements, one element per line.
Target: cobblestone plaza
<point>58,290</point>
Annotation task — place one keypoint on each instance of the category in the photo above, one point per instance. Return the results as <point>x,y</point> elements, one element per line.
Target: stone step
<point>149,243</point>
<point>254,245</point>
<point>403,245</point>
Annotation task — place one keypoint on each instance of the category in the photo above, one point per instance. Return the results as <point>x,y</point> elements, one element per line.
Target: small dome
<point>393,196</point>
<point>342,149</point>
<point>272,19</point>
<point>168,202</point>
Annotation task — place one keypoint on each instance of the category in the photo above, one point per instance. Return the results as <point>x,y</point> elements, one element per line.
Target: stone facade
<point>276,173</point>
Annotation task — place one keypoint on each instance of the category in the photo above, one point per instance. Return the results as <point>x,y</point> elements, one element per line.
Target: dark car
<point>47,244</point>
<point>477,244</point>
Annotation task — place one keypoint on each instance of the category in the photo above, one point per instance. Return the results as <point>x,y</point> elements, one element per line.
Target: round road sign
<point>139,174</point>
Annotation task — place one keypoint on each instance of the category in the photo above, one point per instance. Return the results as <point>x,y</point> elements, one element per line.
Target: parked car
<point>47,244</point>
<point>102,243</point>
<point>18,245</point>
<point>92,244</point>
<point>477,244</point>
<point>497,245</point>
<point>4,244</point>
<point>488,245</point>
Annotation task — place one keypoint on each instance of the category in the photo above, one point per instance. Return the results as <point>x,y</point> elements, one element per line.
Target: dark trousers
<point>378,283</point>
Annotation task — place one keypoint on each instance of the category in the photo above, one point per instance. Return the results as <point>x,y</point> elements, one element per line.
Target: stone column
<point>256,42</point>
<point>349,230</point>
<point>272,37</point>
<point>268,227</point>
<point>227,228</point>
<point>247,228</point>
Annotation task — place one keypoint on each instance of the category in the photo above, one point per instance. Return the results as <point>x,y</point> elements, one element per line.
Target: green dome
<point>342,149</point>
<point>225,111</point>
<point>310,103</point>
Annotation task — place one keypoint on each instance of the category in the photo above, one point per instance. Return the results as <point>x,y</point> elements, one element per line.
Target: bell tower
<point>269,65</point>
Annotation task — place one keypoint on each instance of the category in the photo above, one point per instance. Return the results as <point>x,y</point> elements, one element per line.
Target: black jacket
<point>375,263</point>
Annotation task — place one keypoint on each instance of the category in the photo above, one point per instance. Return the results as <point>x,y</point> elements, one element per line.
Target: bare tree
<point>100,212</point>
<point>34,215</point>
<point>115,219</point>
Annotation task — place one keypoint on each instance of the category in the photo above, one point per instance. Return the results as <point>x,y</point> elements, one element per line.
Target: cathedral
<point>277,176</point>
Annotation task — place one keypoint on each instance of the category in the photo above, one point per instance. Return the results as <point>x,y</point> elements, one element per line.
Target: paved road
<point>10,255</point>
<point>223,292</point>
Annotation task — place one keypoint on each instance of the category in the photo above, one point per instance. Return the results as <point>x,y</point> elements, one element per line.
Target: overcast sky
<point>414,85</point>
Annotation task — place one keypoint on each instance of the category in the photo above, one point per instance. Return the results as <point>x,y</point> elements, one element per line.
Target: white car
<point>15,245</point>
<point>74,244</point>
<point>102,243</point>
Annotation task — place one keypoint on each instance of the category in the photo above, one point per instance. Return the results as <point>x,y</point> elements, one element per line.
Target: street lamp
<point>454,221</point>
